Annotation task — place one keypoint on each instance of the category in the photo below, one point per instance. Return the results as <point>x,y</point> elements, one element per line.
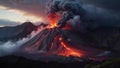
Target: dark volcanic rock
<point>16,32</point>
<point>104,38</point>
<point>20,62</point>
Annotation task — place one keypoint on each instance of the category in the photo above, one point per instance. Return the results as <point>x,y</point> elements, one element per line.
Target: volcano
<point>51,42</point>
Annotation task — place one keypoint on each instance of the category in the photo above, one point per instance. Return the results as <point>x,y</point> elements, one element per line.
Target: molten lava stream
<point>68,51</point>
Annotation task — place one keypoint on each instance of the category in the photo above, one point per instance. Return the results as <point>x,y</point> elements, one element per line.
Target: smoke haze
<point>10,47</point>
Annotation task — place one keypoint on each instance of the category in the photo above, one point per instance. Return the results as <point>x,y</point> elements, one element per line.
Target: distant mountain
<point>16,32</point>
<point>43,24</point>
<point>104,37</point>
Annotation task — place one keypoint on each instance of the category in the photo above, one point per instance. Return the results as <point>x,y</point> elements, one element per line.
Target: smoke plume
<point>10,47</point>
<point>90,16</point>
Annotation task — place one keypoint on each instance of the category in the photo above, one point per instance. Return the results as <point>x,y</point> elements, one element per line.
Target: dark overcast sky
<point>33,7</point>
<point>107,4</point>
<point>37,7</point>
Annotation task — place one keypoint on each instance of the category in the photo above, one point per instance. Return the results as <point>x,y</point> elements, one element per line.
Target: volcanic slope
<point>58,42</point>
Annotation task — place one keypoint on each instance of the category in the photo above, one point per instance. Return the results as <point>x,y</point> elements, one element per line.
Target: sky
<point>14,12</point>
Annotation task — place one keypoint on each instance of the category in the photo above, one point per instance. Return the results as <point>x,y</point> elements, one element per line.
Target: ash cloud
<point>90,16</point>
<point>113,5</point>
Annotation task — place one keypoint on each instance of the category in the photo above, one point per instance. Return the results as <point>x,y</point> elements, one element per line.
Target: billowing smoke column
<point>89,16</point>
<point>68,9</point>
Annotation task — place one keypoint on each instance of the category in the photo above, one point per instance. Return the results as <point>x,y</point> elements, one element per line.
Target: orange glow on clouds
<point>53,19</point>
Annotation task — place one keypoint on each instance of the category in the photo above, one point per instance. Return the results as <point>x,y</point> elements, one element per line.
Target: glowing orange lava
<point>69,51</point>
<point>53,19</point>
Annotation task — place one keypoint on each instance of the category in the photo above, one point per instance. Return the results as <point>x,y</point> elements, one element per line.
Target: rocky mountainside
<point>16,32</point>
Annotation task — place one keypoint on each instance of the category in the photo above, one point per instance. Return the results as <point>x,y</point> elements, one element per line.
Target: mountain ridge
<point>16,32</point>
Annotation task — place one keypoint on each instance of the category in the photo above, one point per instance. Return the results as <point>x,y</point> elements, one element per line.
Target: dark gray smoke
<point>90,16</point>
<point>10,47</point>
<point>68,8</point>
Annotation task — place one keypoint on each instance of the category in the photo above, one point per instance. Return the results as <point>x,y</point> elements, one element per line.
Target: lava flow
<point>69,51</point>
